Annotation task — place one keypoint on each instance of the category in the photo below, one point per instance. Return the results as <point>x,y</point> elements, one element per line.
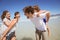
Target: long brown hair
<point>36,8</point>
<point>4,14</point>
<point>29,9</point>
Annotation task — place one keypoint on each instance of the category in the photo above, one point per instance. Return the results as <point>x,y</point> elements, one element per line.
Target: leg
<point>13,38</point>
<point>4,38</point>
<point>8,38</point>
<point>37,36</point>
<point>44,36</point>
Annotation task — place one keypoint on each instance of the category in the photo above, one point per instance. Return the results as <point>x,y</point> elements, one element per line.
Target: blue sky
<point>17,5</point>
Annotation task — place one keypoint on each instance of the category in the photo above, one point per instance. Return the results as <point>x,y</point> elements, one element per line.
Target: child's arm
<point>13,22</point>
<point>47,16</point>
<point>47,19</point>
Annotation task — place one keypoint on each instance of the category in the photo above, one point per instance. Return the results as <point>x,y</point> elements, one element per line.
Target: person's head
<point>28,11</point>
<point>36,8</point>
<point>5,14</point>
<point>17,15</point>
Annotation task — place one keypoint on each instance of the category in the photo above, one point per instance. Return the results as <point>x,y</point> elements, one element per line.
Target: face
<point>28,15</point>
<point>8,15</point>
<point>18,16</point>
<point>35,10</point>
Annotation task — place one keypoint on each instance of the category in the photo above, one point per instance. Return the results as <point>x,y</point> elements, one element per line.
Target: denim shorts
<point>12,34</point>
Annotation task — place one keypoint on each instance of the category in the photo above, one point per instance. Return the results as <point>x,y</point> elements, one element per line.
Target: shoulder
<point>14,20</point>
<point>5,19</point>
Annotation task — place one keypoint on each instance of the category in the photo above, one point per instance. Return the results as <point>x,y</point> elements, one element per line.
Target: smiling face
<point>17,15</point>
<point>7,15</point>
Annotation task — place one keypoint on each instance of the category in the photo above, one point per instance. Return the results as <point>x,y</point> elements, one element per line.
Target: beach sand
<point>26,30</point>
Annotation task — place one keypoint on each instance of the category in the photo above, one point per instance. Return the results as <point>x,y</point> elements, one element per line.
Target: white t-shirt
<point>6,20</point>
<point>5,27</point>
<point>2,28</point>
<point>38,22</point>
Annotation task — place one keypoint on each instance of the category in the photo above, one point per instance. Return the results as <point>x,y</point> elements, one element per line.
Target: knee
<point>13,38</point>
<point>4,38</point>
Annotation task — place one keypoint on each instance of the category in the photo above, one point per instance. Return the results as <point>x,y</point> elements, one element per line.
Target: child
<point>5,17</point>
<point>46,15</point>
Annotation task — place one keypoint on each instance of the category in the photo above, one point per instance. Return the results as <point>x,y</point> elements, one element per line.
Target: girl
<point>12,36</point>
<point>45,15</point>
<point>11,28</point>
<point>6,21</point>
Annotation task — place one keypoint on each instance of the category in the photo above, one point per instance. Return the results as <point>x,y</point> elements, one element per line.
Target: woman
<point>11,28</point>
<point>45,15</point>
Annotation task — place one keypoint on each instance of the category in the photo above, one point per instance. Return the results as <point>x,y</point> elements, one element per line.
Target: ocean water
<point>26,30</point>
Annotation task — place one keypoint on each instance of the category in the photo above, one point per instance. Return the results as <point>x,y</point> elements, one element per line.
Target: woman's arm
<point>13,22</point>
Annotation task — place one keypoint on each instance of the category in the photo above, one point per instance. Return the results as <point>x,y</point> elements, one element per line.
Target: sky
<point>17,5</point>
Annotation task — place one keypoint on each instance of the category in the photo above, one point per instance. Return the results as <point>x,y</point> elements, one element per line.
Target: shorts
<point>42,34</point>
<point>12,34</point>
